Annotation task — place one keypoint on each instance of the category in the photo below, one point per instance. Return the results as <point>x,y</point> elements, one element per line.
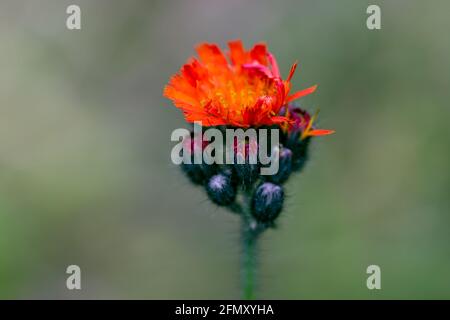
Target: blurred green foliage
<point>85,171</point>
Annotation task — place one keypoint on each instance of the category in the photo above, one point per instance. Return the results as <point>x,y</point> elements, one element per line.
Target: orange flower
<point>244,90</point>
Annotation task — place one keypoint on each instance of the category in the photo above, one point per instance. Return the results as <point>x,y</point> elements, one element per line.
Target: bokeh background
<point>85,171</point>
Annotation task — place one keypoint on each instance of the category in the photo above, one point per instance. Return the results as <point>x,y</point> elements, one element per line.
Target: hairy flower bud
<point>220,189</point>
<point>230,172</point>
<point>300,154</point>
<point>196,172</point>
<point>267,202</point>
<point>285,167</point>
<point>247,171</point>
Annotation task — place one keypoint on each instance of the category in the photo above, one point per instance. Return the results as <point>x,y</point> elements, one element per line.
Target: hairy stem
<point>249,257</point>
<point>250,231</point>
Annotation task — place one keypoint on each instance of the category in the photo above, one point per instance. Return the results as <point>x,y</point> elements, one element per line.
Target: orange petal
<point>259,53</point>
<point>180,98</point>
<point>274,64</point>
<point>190,75</point>
<point>211,54</point>
<point>320,132</point>
<point>301,93</point>
<point>238,55</point>
<point>291,72</point>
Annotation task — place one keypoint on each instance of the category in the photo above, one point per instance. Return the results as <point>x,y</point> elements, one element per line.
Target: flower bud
<point>196,172</point>
<point>220,189</point>
<point>230,172</point>
<point>300,154</point>
<point>293,138</point>
<point>267,202</point>
<point>247,173</point>
<point>246,165</point>
<point>284,169</point>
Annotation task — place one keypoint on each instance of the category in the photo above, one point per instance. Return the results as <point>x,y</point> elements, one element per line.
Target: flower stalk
<point>243,89</point>
<point>249,260</point>
<point>250,232</point>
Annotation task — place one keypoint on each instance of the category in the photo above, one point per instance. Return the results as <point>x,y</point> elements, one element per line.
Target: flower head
<point>243,88</point>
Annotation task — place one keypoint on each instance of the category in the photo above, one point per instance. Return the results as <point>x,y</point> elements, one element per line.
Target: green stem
<point>250,232</point>
<point>249,241</point>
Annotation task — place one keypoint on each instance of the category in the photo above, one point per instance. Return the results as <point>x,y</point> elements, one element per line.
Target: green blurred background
<point>85,171</point>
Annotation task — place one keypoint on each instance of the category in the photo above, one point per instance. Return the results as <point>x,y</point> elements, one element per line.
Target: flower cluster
<point>262,195</point>
<point>243,89</point>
